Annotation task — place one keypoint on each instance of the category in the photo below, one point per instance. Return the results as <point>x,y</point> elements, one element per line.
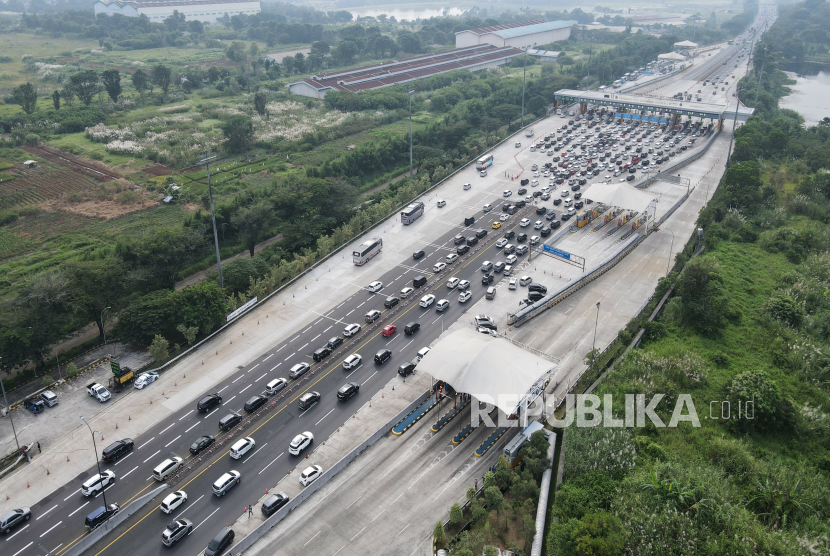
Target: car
<point>229,421</point>
<point>452,283</point>
<point>534,240</point>
<point>427,300</point>
<point>509,234</point>
<point>173,501</point>
<point>375,286</point>
<point>242,447</point>
<point>406,292</point>
<point>411,328</point>
<point>209,402</point>
<point>442,305</point>
<point>467,186</point>
<point>300,443</point>
<point>537,288</point>
<point>13,518</point>
<point>490,293</point>
<point>202,443</point>
<point>220,542</point>
<point>557,202</point>
<point>521,238</point>
<point>521,250</point>
<point>465,296</point>
<point>517,144</point>
<point>512,284</point>
<point>522,191</point>
<point>565,193</point>
<point>389,330</point>
<point>321,353</point>
<point>441,203</point>
<point>439,267</point>
<point>487,208</point>
<point>391,301</point>
<point>146,379</point>
<point>226,481</point>
<point>351,330</point>
<point>117,450</point>
<point>462,249</point>
<point>407,368</point>
<point>504,217</point>
<point>485,321</point>
<point>464,285</point>
<point>524,222</point>
<point>97,483</point>
<point>255,403</point>
<point>310,474</point>
<point>308,400</point>
<point>483,173</point>
<point>451,258</point>
<point>418,254</point>
<point>507,193</point>
<point>98,516</point>
<point>348,390</point>
<point>511,259</point>
<point>175,531</point>
<point>538,225</point>
<point>49,398</point>
<point>525,280</point>
<point>372,316</point>
<point>352,362</point>
<point>508,268</point>
<point>487,279</point>
<point>498,267</point>
<point>486,266</point>
<point>501,242</point>
<point>165,468</point>
<point>383,356</point>
<point>274,503</point>
<point>298,370</point>
<point>496,224</point>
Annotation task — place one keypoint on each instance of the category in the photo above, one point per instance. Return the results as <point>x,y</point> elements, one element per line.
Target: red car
<point>388,330</point>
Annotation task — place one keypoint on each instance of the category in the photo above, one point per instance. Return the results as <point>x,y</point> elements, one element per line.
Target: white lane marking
<point>237,378</point>
<point>55,525</point>
<point>312,538</point>
<point>335,554</point>
<point>143,445</point>
<point>294,338</point>
<point>359,532</point>
<point>361,305</point>
<point>20,531</point>
<point>304,346</point>
<point>46,512</point>
<point>290,356</point>
<point>324,416</point>
<point>223,389</point>
<point>340,305</point>
<point>186,414</point>
<point>151,457</point>
<point>368,379</point>
<point>407,345</point>
<point>197,500</point>
<point>269,465</point>
<point>54,550</point>
<point>172,441</point>
<point>260,378</point>
<point>306,330</point>
<point>167,429</point>
<point>30,544</point>
<point>436,320</point>
<point>327,329</point>
<point>377,516</point>
<point>245,388</point>
<point>274,367</point>
<point>229,401</point>
<point>280,348</point>
<point>267,358</point>
<point>256,452</point>
<point>254,367</point>
<point>71,495</point>
<point>193,427</point>
<point>319,321</point>
<point>130,471</point>
<point>79,509</point>
<point>315,337</point>
<point>350,312</point>
<point>208,517</point>
<point>353,503</point>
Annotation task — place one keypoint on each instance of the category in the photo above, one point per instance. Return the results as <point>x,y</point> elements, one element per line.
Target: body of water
<point>810,97</point>
<point>403,13</point>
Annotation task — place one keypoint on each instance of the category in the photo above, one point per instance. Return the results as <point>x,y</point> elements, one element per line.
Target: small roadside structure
<point>30,164</point>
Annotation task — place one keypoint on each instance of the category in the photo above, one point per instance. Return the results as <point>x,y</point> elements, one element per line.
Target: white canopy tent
<point>619,195</point>
<point>671,56</point>
<point>685,44</point>
<point>481,365</point>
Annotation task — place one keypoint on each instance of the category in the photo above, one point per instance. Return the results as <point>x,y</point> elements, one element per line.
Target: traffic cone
<point>67,458</point>
<point>231,341</point>
<point>129,418</point>
<point>27,484</point>
<point>47,471</point>
<point>116,425</point>
<point>393,388</point>
<point>7,497</point>
<point>102,438</point>
<point>266,491</point>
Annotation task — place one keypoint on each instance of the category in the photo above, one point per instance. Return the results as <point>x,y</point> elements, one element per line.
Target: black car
<point>481,232</point>
<point>308,400</point>
<point>418,254</point>
<point>565,216</point>
<point>575,187</point>
<point>541,210</point>
<point>406,369</point>
<point>537,193</point>
<point>411,328</point>
<point>99,515</point>
<point>537,288</point>
<point>117,450</point>
<point>209,402</point>
<point>274,503</point>
<point>201,443</point>
<point>509,234</point>
<point>220,542</point>
<point>578,205</point>
<point>577,196</point>
<point>335,341</point>
<point>321,353</point>
<point>535,296</point>
<point>545,232</point>
<point>391,302</point>
<point>459,239</point>
<point>505,206</point>
<point>629,178</point>
<point>522,237</point>
<point>383,356</point>
<point>521,204</point>
<point>487,279</point>
<point>255,403</point>
<point>229,421</point>
<point>348,390</point>
<point>472,240</point>
<point>462,249</point>
<point>557,202</point>
<point>521,191</point>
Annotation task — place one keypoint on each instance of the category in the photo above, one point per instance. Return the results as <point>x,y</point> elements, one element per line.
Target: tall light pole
<point>103,328</point>
<point>734,124</point>
<point>671,247</point>
<point>524,79</point>
<point>409,93</point>
<point>6,403</point>
<point>206,161</point>
<point>594,344</point>
<point>758,89</point>
<point>97,461</point>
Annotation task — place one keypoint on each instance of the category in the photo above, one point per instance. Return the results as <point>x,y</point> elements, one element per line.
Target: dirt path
<point>199,276</point>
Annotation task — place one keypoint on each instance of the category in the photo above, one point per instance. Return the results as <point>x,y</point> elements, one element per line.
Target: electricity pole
<point>409,93</point>
<point>8,411</point>
<point>758,89</point>
<point>734,123</point>
<point>206,161</point>
<point>524,78</point>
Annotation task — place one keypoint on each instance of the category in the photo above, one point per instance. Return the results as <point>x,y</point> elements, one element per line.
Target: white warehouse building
<point>526,34</point>
<point>206,11</point>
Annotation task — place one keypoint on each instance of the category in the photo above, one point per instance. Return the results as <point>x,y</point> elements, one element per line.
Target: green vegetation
<point>744,337</point>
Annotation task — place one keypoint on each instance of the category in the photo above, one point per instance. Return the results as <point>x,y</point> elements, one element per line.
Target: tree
<point>239,132</point>
<point>236,52</point>
<point>770,410</point>
<point>56,99</point>
<point>704,300</point>
<point>597,534</point>
<point>95,285</point>
<point>140,82</point>
<point>344,52</point>
<point>85,85</point>
<point>112,83</point>
<point>26,97</point>
<point>253,51</point>
<point>537,106</point>
<point>68,94</point>
<point>438,534</point>
<point>213,74</point>
<point>250,221</point>
<point>195,27</point>
<point>742,185</point>
<point>189,333</point>
<point>456,514</point>
<point>320,48</point>
<point>202,305</point>
<point>409,42</point>
<point>161,77</point>
<point>159,349</point>
<point>260,101</point>
<point>493,498</point>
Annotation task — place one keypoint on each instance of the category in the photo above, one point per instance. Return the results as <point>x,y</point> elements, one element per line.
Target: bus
<point>411,213</point>
<point>617,84</point>
<point>602,88</point>
<point>484,162</point>
<point>366,251</point>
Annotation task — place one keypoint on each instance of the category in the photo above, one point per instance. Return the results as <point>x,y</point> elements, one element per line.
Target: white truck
<point>98,392</point>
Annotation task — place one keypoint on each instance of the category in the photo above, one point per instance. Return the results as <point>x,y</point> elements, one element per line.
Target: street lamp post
<point>97,461</point>
<point>671,247</point>
<point>6,403</point>
<point>409,93</point>
<point>734,125</point>
<point>103,328</point>
<point>206,161</point>
<point>524,78</point>
<point>594,344</point>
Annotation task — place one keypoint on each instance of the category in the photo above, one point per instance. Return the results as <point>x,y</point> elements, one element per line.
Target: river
<point>810,97</point>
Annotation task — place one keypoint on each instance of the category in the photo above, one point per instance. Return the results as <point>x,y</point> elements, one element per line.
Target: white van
<point>165,468</point>
<point>275,386</point>
<point>422,352</point>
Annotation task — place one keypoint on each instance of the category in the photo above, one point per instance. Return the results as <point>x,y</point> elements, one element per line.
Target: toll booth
<point>511,451</point>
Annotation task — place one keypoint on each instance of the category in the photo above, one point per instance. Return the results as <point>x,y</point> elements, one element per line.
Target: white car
<point>146,379</point>
<point>351,330</point>
<point>173,501</point>
<point>310,474</point>
<point>97,483</point>
<point>538,225</point>
<point>352,362</point>
<point>534,240</point>
<point>441,203</point>
<point>406,292</point>
<point>375,286</point>
<point>507,193</point>
<point>300,443</point>
<point>422,352</point>
<point>467,186</point>
<point>524,223</point>
<point>464,285</point>
<point>501,242</point>
<point>451,258</point>
<point>442,305</point>
<point>511,259</point>
<point>504,217</point>
<point>517,144</point>
<point>465,296</point>
<point>487,208</point>
<point>453,282</point>
<point>512,284</point>
<point>439,267</point>
<point>564,193</point>
<point>483,173</point>
<point>242,447</point>
<point>534,183</point>
<point>427,300</point>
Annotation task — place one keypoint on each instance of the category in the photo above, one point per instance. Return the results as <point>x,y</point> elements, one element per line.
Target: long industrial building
<point>526,34</point>
<point>386,74</point>
<point>206,11</point>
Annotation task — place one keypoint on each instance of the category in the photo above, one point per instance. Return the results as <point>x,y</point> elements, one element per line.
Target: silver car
<point>175,531</point>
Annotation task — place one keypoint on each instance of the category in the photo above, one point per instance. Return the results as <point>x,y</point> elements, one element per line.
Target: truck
<point>529,133</point>
<point>98,392</point>
<point>34,405</point>
<point>122,376</point>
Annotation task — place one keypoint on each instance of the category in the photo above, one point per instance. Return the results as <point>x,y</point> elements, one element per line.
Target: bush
<point>47,381</point>
<point>71,370</point>
<point>769,410</point>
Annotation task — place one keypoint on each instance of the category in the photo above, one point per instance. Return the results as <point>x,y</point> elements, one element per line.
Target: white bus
<point>366,251</point>
<point>602,88</point>
<point>617,84</point>
<point>411,213</point>
<point>484,162</point>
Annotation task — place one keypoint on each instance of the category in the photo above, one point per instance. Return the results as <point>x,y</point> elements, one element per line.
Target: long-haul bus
<point>367,250</point>
<point>484,162</point>
<point>412,213</point>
